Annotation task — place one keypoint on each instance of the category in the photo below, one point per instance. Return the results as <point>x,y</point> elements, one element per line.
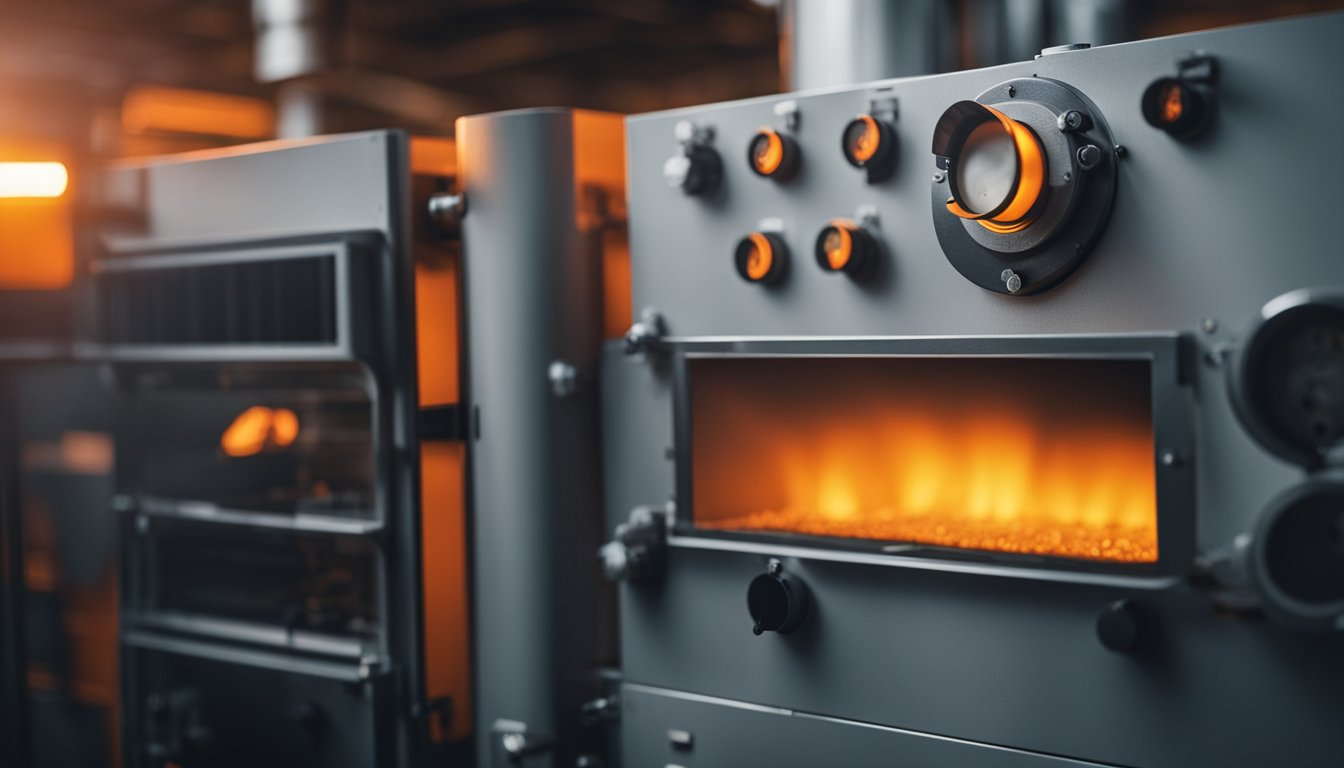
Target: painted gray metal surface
<point>1207,230</point>
<point>722,733</point>
<point>532,293</point>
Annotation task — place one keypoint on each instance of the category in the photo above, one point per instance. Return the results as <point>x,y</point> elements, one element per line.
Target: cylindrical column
<point>840,42</point>
<point>533,299</point>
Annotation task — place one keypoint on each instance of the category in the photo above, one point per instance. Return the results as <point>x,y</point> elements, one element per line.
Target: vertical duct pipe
<point>533,309</point>
<point>840,42</point>
<point>295,40</point>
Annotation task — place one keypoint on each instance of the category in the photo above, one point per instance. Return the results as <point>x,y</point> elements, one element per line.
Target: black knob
<point>777,602</point>
<point>696,171</point>
<point>1124,626</point>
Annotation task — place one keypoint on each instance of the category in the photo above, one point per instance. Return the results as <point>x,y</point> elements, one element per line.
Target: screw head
<point>1011,280</point>
<point>1089,156</point>
<point>1012,91</point>
<point>1068,175</point>
<point>1208,325</point>
<point>938,178</point>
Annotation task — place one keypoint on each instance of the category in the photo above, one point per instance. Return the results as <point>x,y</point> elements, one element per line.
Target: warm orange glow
<point>767,152</point>
<point>1172,103</point>
<point>155,109</point>
<point>45,179</point>
<point>1041,457</point>
<point>838,245</point>
<point>761,258</point>
<point>284,427</point>
<point>444,560</point>
<point>258,426</point>
<point>599,162</point>
<point>443,499</point>
<point>1030,182</point>
<point>37,251</point>
<point>867,141</point>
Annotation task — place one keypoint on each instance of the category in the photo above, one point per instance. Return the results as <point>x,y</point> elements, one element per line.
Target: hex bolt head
<point>1089,156</point>
<point>1071,121</point>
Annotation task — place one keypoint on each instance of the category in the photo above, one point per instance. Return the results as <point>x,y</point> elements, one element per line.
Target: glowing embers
<point>1043,457</point>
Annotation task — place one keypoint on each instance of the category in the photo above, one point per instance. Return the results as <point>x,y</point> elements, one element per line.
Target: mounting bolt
<point>446,211</point>
<point>1011,91</point>
<point>938,178</point>
<point>1073,121</point>
<point>1089,156</point>
<point>1068,175</point>
<point>564,378</point>
<point>693,134</point>
<point>1011,280</point>
<point>1170,458</point>
<point>773,566</point>
<point>1208,325</point>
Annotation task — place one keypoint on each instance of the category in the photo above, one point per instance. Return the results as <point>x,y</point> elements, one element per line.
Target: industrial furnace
<point>990,418</point>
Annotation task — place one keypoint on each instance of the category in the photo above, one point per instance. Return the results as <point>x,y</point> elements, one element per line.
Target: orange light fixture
<point>760,257</point>
<point>33,180</point>
<point>996,167</point>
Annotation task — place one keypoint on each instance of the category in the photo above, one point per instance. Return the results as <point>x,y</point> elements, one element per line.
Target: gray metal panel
<point>1210,229</point>
<point>733,734</point>
<point>532,292</point>
<point>637,440</point>
<point>1001,661</point>
<point>312,186</point>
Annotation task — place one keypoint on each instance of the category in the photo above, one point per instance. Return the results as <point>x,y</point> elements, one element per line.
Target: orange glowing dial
<point>760,258</point>
<point>996,167</point>
<point>870,144</point>
<point>843,246</point>
<point>1180,107</point>
<point>772,154</point>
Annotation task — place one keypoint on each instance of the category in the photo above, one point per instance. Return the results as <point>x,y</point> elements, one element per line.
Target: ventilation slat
<point>285,301</point>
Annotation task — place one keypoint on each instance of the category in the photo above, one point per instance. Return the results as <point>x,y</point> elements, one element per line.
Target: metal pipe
<point>838,42</point>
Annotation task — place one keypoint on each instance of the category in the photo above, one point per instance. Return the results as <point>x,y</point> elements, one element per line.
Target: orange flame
<point>1042,457</point>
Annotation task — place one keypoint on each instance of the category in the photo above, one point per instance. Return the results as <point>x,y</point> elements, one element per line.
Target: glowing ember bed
<point>1049,456</point>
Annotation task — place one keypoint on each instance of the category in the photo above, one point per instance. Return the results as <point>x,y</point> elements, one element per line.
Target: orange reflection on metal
<point>258,426</point>
<point>1039,457</point>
